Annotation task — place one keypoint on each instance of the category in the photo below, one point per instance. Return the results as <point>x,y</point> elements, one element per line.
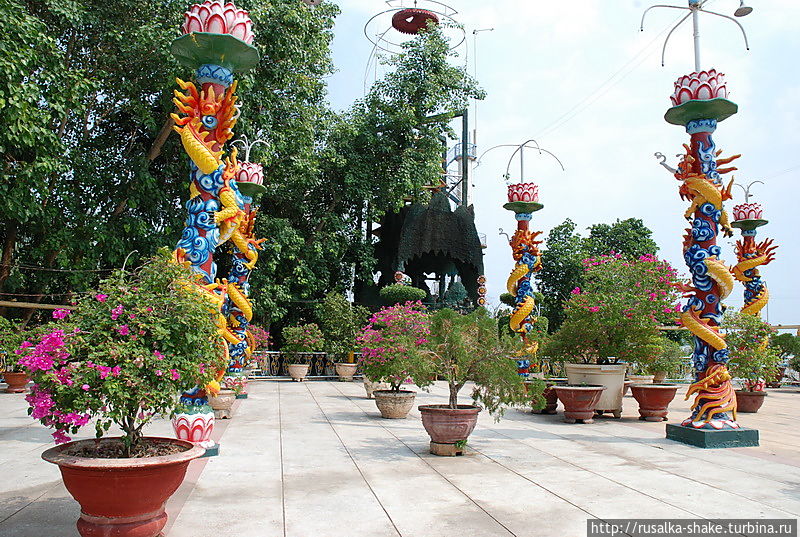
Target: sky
<point>581,79</point>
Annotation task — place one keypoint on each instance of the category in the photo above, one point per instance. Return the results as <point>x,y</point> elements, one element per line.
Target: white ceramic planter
<point>298,372</point>
<point>346,371</point>
<point>612,376</point>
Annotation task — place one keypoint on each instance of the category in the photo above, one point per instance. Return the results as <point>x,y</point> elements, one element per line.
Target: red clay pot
<point>447,425</point>
<point>579,401</point>
<point>749,402</point>
<point>17,382</point>
<point>122,497</point>
<point>550,399</point>
<point>653,400</point>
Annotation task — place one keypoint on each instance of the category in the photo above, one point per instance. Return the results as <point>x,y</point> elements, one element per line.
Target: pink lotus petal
<point>192,24</point>
<point>704,91</point>
<point>722,92</point>
<point>685,94</point>
<point>239,30</point>
<point>203,13</point>
<point>216,24</point>
<point>230,15</point>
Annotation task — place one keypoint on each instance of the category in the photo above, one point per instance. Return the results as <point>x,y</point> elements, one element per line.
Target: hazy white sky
<point>580,78</point>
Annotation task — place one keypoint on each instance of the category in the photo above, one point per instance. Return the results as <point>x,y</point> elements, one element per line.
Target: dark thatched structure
<point>431,239</point>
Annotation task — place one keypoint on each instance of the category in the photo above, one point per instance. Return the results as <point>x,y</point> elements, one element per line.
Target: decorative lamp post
<point>748,217</point>
<point>523,200</point>
<point>699,104</point>
<point>217,40</point>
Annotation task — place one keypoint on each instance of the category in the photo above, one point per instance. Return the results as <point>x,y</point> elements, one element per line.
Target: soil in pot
<point>122,497</point>
<point>579,401</point>
<point>298,372</point>
<point>749,402</point>
<point>17,381</point>
<point>654,400</point>
<point>394,404</point>
<point>447,425</point>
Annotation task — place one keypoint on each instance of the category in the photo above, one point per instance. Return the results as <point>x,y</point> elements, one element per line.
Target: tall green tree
<point>629,237</point>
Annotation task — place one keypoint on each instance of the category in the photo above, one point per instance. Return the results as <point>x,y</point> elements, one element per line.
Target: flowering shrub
<point>303,338</point>
<point>392,343</point>
<point>124,354</point>
<point>261,337</point>
<point>752,359</point>
<point>617,313</point>
<point>399,293</point>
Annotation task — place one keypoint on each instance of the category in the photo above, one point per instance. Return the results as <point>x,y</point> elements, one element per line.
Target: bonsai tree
<point>465,348</point>
<point>615,316</point>
<point>340,322</point>
<point>398,293</point>
<point>751,357</point>
<point>392,345</point>
<point>124,354</point>
<point>303,338</point>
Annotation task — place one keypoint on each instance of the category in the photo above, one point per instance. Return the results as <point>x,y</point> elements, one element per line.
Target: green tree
<point>629,237</point>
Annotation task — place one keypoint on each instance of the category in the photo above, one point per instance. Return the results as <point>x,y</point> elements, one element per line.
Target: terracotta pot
<point>394,405</point>
<point>550,399</point>
<point>749,402</point>
<point>447,425</point>
<point>122,497</point>
<point>298,372</point>
<point>653,400</point>
<point>659,377</point>
<point>17,382</point>
<point>346,371</point>
<point>579,401</point>
<point>641,379</point>
<point>222,404</point>
<point>371,385</point>
<point>612,376</point>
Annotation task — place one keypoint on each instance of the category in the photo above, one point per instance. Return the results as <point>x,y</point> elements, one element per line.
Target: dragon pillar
<point>699,105</point>
<point>748,217</point>
<point>523,199</point>
<point>216,41</point>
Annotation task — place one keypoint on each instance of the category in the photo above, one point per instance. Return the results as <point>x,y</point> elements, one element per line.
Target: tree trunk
<point>9,243</point>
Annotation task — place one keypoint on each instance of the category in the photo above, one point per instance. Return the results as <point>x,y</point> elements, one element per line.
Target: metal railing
<point>272,364</point>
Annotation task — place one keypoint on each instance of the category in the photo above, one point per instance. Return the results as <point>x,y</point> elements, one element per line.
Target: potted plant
<point>463,348</point>
<point>668,362</point>
<point>11,337</point>
<point>752,360</point>
<point>391,348</point>
<point>122,357</point>
<point>654,397</point>
<point>299,340</point>
<point>340,322</point>
<point>613,320</point>
<point>579,400</point>
<point>788,347</point>
<point>398,293</point>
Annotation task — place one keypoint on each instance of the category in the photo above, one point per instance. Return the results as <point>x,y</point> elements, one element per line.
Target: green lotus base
<point>212,451</point>
<point>523,207</point>
<point>198,48</point>
<point>242,396</point>
<point>719,109</point>
<point>748,225</point>
<point>251,189</point>
<point>711,438</point>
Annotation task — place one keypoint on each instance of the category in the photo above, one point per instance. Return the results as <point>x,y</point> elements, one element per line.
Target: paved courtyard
<point>314,459</point>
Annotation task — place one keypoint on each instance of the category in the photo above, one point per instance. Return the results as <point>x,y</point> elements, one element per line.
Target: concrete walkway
<point>314,459</point>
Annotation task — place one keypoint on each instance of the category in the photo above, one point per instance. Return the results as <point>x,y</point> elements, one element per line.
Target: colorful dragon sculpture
<point>217,40</point>
<point>700,104</point>
<point>751,255</point>
<point>523,199</point>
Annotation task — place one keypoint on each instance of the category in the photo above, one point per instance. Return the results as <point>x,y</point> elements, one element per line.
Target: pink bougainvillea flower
<point>117,311</point>
<point>100,297</point>
<point>123,330</point>
<point>576,291</point>
<point>174,374</point>
<point>594,309</point>
<point>60,313</point>
<point>158,355</point>
<point>60,437</point>
<point>85,387</point>
<point>159,372</point>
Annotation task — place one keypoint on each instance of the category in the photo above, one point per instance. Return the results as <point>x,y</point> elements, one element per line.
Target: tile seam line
<point>349,454</point>
<point>39,497</point>
<point>280,448</point>
<point>479,506</point>
<point>649,465</point>
<point>684,455</point>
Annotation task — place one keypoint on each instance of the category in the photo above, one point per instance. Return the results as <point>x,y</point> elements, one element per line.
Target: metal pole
<point>464,157</point>
<point>696,28</point>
